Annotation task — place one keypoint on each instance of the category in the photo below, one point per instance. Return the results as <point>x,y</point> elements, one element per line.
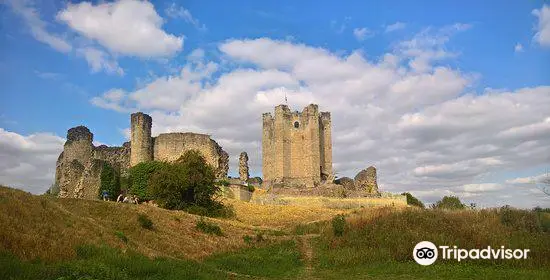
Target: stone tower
<point>141,143</point>
<point>243,167</point>
<point>296,147</point>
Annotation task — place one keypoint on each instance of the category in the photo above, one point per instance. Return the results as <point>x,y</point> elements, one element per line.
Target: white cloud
<point>394,27</point>
<point>518,48</point>
<point>38,28</point>
<point>28,162</point>
<point>426,132</point>
<point>362,33</point>
<point>175,11</point>
<point>543,27</point>
<point>100,60</point>
<point>126,27</point>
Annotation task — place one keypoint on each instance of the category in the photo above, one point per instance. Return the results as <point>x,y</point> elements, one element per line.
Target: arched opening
<point>296,124</point>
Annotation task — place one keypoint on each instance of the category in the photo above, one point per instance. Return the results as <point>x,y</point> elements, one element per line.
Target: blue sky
<point>414,86</point>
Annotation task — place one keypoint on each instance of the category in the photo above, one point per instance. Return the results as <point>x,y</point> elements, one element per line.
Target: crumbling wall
<point>171,146</point>
<point>243,167</point>
<point>366,180</point>
<point>79,166</point>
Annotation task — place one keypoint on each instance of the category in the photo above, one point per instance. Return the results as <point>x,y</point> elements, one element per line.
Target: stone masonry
<point>296,147</point>
<point>79,166</point>
<point>243,167</point>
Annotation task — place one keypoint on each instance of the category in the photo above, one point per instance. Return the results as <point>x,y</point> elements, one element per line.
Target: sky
<point>443,97</point>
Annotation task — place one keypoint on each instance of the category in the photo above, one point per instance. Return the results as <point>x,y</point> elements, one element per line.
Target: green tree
<point>411,200</point>
<point>189,182</point>
<point>449,202</point>
<point>110,181</point>
<point>139,176</point>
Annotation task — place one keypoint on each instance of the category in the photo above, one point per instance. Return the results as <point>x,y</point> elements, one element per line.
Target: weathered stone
<point>243,167</point>
<point>365,181</point>
<point>79,133</point>
<point>296,147</point>
<point>346,182</point>
<point>79,166</point>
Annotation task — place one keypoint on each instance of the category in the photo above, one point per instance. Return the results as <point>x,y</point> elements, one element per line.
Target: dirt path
<point>306,250</point>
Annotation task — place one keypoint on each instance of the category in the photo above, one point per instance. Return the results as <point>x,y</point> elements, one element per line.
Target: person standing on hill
<point>105,195</point>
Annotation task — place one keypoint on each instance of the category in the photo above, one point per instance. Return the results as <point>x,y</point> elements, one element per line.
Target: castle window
<point>296,124</point>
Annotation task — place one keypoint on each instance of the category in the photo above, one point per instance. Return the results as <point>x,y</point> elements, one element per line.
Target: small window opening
<point>296,124</point>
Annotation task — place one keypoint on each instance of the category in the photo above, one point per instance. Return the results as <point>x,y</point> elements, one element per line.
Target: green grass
<point>276,261</point>
<point>411,270</point>
<point>92,262</point>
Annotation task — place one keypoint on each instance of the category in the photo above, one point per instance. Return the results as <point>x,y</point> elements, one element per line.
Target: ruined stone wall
<point>117,157</point>
<point>171,146</point>
<point>296,146</point>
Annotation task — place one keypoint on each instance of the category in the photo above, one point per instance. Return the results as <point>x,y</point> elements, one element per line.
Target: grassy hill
<point>49,238</point>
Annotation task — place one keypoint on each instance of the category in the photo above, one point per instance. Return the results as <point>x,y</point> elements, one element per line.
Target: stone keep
<point>79,166</point>
<point>296,147</point>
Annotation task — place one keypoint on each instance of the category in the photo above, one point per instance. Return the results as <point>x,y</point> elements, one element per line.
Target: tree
<point>449,202</point>
<point>188,182</point>
<point>411,200</point>
<point>110,181</point>
<point>139,176</point>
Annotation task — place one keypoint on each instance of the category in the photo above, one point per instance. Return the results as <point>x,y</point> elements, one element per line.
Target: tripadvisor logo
<point>426,253</point>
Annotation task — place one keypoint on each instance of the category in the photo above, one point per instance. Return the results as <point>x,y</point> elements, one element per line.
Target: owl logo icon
<point>425,253</point>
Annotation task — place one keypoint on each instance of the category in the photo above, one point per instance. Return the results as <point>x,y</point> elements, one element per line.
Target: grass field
<point>49,238</point>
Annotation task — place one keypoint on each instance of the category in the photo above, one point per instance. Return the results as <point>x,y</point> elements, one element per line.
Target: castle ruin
<point>296,147</point>
<point>79,166</point>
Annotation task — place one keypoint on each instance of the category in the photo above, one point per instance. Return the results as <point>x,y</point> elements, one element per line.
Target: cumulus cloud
<point>426,131</point>
<point>394,27</point>
<point>543,26</point>
<point>362,33</point>
<point>100,60</point>
<point>38,28</point>
<point>28,162</point>
<point>127,27</point>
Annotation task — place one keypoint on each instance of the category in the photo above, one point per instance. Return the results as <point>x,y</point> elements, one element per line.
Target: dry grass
<point>281,217</point>
<point>50,228</point>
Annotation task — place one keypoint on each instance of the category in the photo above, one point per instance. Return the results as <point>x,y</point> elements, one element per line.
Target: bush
<point>110,181</point>
<point>121,236</point>
<point>208,227</point>
<point>339,225</point>
<point>411,200</point>
<point>449,202</point>
<point>190,181</point>
<point>520,219</point>
<point>139,178</point>
<point>251,188</point>
<point>145,222</point>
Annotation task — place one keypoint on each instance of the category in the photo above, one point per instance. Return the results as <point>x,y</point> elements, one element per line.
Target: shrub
<point>110,181</point>
<point>251,188</point>
<point>520,219</point>
<point>145,222</point>
<point>53,190</point>
<point>411,200</point>
<point>140,174</point>
<point>190,181</point>
<point>339,225</point>
<point>247,239</point>
<point>121,236</point>
<point>449,202</point>
<point>208,227</point>
<point>224,183</point>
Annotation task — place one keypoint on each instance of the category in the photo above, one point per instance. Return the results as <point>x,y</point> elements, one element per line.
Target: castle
<point>79,166</point>
<point>296,147</point>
